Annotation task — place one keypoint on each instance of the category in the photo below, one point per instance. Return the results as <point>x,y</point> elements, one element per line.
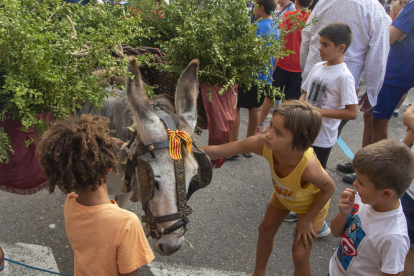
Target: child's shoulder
<point>103,211</point>
<point>317,66</point>
<point>339,71</point>
<point>393,221</point>
<point>313,170</point>
<point>347,78</point>
<point>289,13</point>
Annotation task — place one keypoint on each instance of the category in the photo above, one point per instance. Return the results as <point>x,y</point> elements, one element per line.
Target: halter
<point>146,176</point>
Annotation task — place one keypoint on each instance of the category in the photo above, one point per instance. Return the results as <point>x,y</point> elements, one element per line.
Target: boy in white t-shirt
<point>371,222</point>
<point>330,87</point>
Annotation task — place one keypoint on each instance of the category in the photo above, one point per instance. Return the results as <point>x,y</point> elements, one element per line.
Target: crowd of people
<point>351,40</point>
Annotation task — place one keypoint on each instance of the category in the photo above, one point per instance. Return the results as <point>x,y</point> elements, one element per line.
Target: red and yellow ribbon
<point>175,143</point>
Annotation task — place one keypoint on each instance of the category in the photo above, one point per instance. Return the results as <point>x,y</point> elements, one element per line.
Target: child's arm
<point>346,202</point>
<point>409,138</point>
<point>252,144</point>
<point>133,250</point>
<point>408,117</point>
<point>398,274</point>
<point>117,142</point>
<point>1,259</point>
<point>408,120</point>
<point>303,96</point>
<point>133,273</point>
<point>350,112</point>
<point>314,174</point>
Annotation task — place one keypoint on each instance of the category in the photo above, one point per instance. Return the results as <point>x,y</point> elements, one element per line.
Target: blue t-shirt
<point>263,28</point>
<point>400,64</point>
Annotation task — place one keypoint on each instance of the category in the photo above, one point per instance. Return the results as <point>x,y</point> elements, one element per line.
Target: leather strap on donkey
<point>146,175</point>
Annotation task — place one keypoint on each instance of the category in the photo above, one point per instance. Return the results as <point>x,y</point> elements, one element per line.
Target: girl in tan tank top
<point>301,184</point>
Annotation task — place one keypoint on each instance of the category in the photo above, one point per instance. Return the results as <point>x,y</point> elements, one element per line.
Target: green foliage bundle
<point>44,67</point>
<point>218,33</point>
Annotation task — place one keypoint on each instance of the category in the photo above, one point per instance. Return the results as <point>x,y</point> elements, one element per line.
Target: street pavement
<point>222,230</point>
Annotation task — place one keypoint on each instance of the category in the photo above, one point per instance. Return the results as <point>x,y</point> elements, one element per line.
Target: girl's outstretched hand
<point>1,259</point>
<point>117,142</point>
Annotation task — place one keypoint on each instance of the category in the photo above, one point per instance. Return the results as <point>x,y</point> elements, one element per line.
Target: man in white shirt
<point>369,49</point>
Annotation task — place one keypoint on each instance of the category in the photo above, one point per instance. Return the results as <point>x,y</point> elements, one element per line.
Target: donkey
<point>135,109</point>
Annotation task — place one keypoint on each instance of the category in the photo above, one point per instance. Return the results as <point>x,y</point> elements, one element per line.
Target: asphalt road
<point>223,227</point>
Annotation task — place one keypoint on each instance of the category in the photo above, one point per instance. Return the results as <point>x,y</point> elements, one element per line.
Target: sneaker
<point>233,157</point>
<point>345,167</point>
<point>325,230</point>
<point>248,155</point>
<point>260,130</point>
<point>395,114</point>
<point>292,217</point>
<point>349,178</point>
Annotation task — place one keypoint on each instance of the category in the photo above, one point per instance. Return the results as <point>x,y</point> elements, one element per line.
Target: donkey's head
<point>167,234</point>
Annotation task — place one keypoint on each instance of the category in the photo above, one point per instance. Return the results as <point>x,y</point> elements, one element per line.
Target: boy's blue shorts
<point>408,207</point>
<point>388,99</point>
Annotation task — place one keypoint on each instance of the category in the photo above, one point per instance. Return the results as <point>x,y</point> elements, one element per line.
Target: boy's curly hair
<point>76,152</point>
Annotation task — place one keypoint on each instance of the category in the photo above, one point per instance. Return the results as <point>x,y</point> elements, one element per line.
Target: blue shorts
<point>388,99</point>
<point>408,207</point>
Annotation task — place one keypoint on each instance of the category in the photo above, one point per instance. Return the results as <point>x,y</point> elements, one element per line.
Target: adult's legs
<point>234,134</point>
<point>379,129</point>
<point>387,101</point>
<point>253,121</point>
<point>396,111</point>
<point>271,222</point>
<point>367,134</point>
<point>267,105</point>
<point>279,78</point>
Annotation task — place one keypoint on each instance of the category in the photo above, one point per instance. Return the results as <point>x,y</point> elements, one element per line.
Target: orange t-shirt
<point>106,240</point>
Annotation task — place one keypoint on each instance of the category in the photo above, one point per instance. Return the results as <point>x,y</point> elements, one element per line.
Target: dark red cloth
<point>293,40</point>
<point>22,175</point>
<point>221,114</point>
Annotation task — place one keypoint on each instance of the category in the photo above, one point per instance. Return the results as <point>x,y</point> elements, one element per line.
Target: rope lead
<point>36,268</point>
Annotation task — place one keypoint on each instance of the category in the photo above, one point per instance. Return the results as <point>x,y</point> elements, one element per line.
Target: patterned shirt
<point>370,45</point>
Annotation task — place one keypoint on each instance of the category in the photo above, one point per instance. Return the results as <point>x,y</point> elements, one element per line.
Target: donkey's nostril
<point>161,248</point>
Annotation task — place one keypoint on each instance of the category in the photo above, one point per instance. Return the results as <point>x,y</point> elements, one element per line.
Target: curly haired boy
<point>76,155</point>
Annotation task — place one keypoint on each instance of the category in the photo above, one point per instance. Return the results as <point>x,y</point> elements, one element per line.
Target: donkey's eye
<point>157,180</point>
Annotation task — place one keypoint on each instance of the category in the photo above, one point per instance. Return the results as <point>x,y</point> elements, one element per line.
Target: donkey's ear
<point>144,116</point>
<point>186,95</point>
